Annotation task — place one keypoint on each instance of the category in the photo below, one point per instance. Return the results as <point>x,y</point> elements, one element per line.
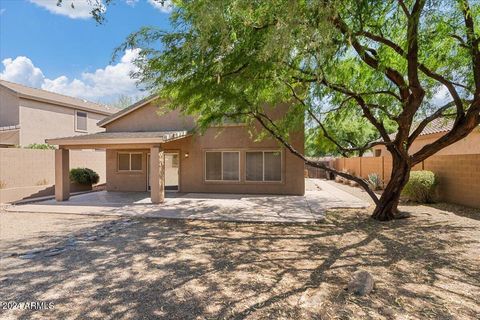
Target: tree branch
<point>426,121</point>
<point>392,74</point>
<point>264,120</point>
<point>404,8</point>
<point>361,102</point>
<point>472,43</point>
<point>450,85</point>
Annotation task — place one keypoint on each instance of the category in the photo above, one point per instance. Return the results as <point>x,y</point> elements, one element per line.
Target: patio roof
<point>105,138</point>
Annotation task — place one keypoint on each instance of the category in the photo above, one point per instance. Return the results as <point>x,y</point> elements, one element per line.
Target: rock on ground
<point>361,283</point>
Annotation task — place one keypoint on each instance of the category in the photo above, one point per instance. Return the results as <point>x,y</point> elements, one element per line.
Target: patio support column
<point>157,175</point>
<point>62,178</point>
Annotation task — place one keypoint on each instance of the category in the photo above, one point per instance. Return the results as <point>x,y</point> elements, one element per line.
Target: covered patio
<point>151,141</point>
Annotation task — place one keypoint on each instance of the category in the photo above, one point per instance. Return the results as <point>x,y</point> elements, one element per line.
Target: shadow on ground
<point>177,269</point>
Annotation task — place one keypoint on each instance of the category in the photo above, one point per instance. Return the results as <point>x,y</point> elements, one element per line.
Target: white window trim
<point>263,167</point>
<point>221,166</point>
<point>129,162</point>
<point>75,121</point>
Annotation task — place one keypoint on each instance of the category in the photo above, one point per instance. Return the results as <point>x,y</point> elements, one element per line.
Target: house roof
<point>435,126</point>
<point>127,110</point>
<point>438,125</point>
<point>120,138</point>
<point>55,98</point>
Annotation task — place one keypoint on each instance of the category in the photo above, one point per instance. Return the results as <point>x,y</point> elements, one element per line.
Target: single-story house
<point>30,115</point>
<point>152,149</point>
<point>432,132</point>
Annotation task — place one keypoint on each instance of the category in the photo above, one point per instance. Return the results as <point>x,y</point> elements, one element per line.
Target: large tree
<point>381,60</point>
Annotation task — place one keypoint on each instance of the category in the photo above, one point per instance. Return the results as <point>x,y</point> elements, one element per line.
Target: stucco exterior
<point>192,154</point>
<point>192,167</point>
<point>191,149</point>
<point>40,121</point>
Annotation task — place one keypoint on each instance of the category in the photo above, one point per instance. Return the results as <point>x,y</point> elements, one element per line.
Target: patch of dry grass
<point>425,267</point>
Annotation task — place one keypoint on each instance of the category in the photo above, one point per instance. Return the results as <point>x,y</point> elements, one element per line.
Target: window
<point>80,121</point>
<point>129,162</point>
<point>222,166</point>
<point>378,152</point>
<point>263,166</point>
<point>175,160</point>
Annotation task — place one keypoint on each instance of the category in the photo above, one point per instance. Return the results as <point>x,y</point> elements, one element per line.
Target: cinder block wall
<point>458,175</point>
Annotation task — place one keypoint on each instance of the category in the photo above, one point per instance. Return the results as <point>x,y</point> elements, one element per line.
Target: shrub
<point>42,146</point>
<point>375,181</point>
<point>420,186</point>
<point>84,176</point>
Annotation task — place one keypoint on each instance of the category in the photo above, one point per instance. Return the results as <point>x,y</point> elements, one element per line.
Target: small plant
<point>42,182</point>
<point>3,184</point>
<point>420,187</point>
<point>84,176</point>
<point>375,181</point>
<point>42,146</point>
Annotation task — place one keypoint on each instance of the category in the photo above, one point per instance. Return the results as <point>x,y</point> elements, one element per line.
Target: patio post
<point>62,174</point>
<point>157,175</point>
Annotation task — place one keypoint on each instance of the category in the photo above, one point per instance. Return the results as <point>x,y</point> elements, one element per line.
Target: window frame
<point>263,166</point>
<point>221,166</point>
<point>76,121</point>
<point>129,161</point>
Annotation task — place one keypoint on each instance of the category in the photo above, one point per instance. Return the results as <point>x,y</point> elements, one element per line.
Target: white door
<point>172,164</point>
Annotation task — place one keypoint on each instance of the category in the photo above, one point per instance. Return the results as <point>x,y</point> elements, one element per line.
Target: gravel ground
<point>425,267</point>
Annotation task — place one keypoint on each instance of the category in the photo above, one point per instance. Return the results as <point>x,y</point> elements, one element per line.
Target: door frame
<point>177,152</point>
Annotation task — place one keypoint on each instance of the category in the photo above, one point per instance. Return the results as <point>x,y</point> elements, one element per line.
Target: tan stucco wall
<point>147,118</point>
<point>467,145</point>
<point>8,108</point>
<point>125,181</point>
<point>234,138</point>
<point>192,167</point>
<point>40,121</point>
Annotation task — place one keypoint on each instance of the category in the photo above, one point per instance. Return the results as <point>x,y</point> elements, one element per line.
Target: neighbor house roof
<point>55,98</point>
<point>127,110</point>
<point>435,126</point>
<point>120,138</point>
<point>438,125</point>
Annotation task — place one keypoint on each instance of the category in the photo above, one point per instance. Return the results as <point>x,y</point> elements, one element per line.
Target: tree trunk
<point>387,209</point>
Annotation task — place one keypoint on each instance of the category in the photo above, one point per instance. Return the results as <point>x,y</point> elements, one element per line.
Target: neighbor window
<point>80,121</point>
<point>222,166</point>
<point>129,161</point>
<point>378,152</point>
<point>263,166</point>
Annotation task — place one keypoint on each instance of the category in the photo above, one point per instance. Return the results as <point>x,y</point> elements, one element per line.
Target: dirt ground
<point>425,267</point>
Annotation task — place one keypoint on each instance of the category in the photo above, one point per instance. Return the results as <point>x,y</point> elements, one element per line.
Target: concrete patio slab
<point>319,197</point>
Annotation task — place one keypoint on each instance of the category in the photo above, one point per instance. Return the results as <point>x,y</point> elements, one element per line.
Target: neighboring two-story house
<point>29,115</point>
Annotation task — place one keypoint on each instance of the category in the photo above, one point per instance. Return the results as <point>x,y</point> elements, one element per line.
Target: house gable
<point>148,117</point>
